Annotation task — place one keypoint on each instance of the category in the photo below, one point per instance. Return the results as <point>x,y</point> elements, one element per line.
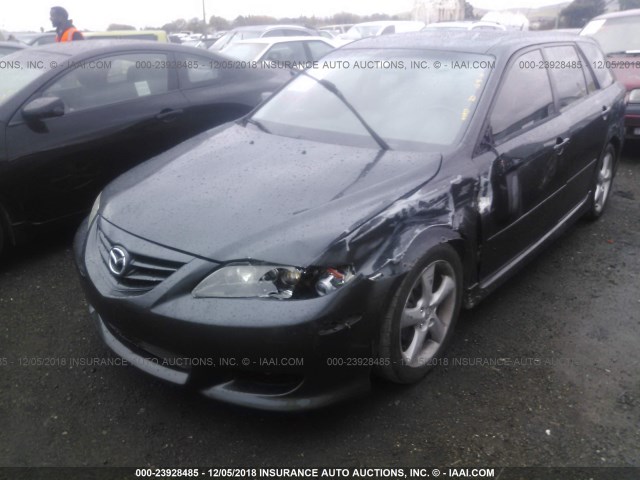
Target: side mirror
<point>43,107</point>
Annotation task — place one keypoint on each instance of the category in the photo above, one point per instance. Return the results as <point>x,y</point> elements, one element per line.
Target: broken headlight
<point>272,281</point>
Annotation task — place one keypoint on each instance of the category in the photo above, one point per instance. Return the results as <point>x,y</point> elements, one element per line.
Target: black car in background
<point>34,39</point>
<point>73,116</point>
<point>277,262</point>
<point>9,47</point>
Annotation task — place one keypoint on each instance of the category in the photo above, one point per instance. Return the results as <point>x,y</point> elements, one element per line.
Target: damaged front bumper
<point>281,355</point>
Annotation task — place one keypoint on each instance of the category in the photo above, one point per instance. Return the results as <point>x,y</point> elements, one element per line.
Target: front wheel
<point>421,316</point>
<point>601,189</point>
<point>2,234</point>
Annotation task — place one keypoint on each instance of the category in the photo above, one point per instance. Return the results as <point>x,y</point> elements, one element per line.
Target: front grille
<point>144,272</point>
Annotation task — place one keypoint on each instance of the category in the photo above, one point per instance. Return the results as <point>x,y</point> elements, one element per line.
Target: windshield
<point>403,98</point>
<point>615,34</point>
<point>244,51</point>
<point>21,68</point>
<point>235,36</point>
<point>362,31</point>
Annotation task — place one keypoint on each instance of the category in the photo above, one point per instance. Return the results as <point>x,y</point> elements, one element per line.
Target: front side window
<point>199,70</point>
<point>111,80</point>
<point>408,105</point>
<point>16,73</point>
<point>524,98</point>
<point>565,68</point>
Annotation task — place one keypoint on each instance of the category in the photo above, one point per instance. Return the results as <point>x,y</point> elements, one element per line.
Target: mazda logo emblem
<point>118,261</point>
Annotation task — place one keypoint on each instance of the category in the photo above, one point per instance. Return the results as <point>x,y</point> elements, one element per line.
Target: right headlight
<point>272,281</point>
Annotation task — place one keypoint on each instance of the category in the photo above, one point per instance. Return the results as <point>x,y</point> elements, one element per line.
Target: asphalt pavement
<point>545,372</point>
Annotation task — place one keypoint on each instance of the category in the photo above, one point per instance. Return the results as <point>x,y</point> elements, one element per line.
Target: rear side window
<point>598,64</point>
<point>565,68</point>
<point>524,98</point>
<point>110,80</point>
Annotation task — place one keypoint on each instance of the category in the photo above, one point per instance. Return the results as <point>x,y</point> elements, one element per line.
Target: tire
<point>2,235</point>
<point>602,183</point>
<point>418,326</point>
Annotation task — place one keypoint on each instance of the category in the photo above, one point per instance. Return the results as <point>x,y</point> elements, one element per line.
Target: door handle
<point>560,144</point>
<point>605,111</point>
<point>168,115</point>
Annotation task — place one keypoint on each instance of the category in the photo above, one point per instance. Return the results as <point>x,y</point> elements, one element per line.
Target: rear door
<point>526,166</point>
<point>585,109</point>
<point>119,110</point>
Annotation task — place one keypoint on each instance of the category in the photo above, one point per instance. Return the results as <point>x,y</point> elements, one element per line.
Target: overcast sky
<point>20,15</point>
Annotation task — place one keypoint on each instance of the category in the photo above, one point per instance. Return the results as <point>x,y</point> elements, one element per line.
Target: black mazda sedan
<point>336,231</point>
<point>74,116</point>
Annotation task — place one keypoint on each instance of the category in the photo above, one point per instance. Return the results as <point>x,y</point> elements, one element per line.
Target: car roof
<point>90,47</point>
<point>270,40</point>
<point>471,41</point>
<point>465,23</point>
<point>385,22</point>
<point>262,28</point>
<point>624,13</point>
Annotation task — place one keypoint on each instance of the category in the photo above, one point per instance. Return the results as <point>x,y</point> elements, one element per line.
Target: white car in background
<point>382,27</point>
<point>261,31</point>
<point>465,26</point>
<point>281,49</point>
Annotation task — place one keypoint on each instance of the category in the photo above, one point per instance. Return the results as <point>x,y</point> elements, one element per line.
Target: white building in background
<point>430,11</point>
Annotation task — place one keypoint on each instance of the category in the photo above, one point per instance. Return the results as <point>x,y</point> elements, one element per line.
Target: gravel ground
<point>565,392</point>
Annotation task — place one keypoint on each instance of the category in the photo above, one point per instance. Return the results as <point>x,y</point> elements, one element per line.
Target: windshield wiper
<point>258,124</point>
<point>333,89</point>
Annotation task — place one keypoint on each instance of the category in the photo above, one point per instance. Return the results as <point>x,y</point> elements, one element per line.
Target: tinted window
<point>598,64</point>
<point>291,32</point>
<point>318,49</point>
<point>199,70</point>
<point>286,52</point>
<point>566,72</point>
<point>15,77</point>
<point>516,107</point>
<point>275,33</point>
<point>111,80</point>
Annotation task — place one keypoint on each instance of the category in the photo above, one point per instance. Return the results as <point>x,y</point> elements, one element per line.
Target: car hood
<point>240,193</point>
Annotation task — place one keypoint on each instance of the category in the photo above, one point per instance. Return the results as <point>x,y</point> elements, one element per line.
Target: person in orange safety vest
<point>65,31</point>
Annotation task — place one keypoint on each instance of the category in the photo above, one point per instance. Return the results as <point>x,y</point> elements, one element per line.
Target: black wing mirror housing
<point>43,107</point>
